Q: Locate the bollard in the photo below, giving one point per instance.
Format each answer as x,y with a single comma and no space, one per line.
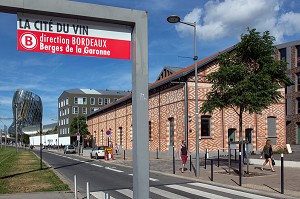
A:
229,160
156,152
106,196
75,188
124,154
87,190
205,157
282,175
190,162
173,161
212,169
240,167
218,157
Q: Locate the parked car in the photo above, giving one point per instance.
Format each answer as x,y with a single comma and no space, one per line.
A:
69,149
98,152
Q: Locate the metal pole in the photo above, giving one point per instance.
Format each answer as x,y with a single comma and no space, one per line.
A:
5,140
41,144
87,190
124,154
75,187
173,161
186,121
218,157
247,156
1,137
282,175
234,154
205,157
190,162
16,125
240,167
196,102
156,152
229,157
211,169
78,133
106,196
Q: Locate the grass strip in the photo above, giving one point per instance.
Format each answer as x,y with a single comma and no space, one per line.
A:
20,173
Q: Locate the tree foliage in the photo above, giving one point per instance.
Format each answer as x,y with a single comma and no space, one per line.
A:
249,78
83,127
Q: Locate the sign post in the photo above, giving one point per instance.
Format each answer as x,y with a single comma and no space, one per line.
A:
138,22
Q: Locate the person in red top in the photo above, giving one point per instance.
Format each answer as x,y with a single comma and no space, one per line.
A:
184,154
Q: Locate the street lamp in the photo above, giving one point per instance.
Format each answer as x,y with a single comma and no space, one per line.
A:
176,19
16,125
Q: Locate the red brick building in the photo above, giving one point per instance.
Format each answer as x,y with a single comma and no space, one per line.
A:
172,111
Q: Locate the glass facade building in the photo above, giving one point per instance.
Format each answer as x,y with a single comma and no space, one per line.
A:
27,110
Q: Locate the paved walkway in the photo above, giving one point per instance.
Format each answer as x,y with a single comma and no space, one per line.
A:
260,181
265,181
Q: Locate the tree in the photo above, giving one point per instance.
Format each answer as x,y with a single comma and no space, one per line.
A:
249,78
81,125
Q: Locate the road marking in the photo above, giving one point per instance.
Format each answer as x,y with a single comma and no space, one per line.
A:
97,165
76,159
126,192
196,192
166,193
116,170
244,194
100,195
152,179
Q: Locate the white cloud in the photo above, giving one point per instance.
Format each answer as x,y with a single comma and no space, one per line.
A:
288,24
230,18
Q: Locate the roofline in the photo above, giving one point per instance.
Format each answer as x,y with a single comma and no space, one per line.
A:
176,75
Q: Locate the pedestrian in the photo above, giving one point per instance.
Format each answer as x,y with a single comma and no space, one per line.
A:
268,153
117,149
184,154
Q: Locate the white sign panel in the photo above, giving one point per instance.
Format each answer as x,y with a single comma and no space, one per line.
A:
38,33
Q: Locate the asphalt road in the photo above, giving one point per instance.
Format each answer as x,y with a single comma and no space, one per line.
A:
100,175
118,180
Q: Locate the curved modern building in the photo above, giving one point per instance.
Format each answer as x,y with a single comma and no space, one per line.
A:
27,110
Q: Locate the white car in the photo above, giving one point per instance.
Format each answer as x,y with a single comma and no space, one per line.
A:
69,149
98,152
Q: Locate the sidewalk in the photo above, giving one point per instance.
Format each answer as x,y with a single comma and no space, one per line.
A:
265,181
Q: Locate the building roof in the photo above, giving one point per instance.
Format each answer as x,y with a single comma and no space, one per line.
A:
178,74
97,92
166,71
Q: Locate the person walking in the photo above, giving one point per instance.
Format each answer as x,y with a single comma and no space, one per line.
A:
184,154
268,153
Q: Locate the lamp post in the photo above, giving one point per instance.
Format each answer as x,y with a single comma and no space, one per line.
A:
5,129
78,133
186,117
16,125
176,19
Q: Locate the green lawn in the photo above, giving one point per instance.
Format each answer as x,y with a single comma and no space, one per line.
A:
20,172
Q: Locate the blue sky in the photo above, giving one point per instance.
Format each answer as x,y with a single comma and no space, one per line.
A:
219,25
